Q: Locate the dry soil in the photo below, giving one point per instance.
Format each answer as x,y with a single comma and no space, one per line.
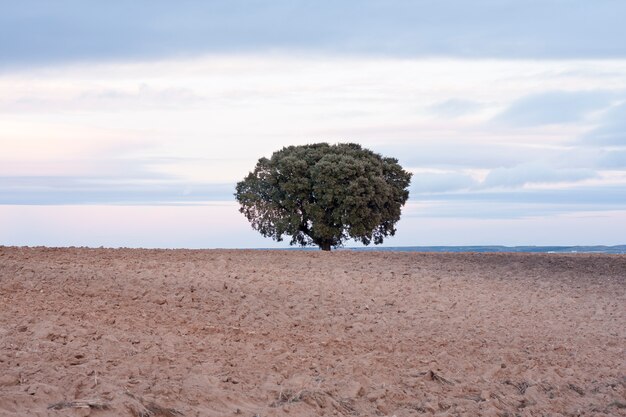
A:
105,332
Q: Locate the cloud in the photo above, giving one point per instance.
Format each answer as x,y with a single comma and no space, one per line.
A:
613,160
428,182
40,31
490,208
455,107
105,190
612,132
456,154
554,107
533,173
517,204
141,96
583,197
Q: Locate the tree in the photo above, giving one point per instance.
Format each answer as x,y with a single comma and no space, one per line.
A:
324,194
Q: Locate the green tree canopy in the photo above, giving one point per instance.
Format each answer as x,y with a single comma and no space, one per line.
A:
324,194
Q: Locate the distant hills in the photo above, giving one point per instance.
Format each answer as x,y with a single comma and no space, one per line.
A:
619,249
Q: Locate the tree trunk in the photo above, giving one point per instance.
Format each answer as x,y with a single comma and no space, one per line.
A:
325,246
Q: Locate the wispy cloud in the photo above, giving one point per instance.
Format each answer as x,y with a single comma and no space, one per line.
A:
438,182
534,173
554,107
613,160
455,107
457,154
106,190
612,131
520,203
36,31
139,97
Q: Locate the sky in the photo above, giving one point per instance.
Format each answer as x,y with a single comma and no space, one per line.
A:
127,124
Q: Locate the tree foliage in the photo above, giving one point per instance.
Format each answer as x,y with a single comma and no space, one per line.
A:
324,194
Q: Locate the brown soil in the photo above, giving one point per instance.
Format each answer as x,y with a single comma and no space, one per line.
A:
275,333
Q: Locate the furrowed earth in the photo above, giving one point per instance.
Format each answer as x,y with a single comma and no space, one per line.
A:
130,332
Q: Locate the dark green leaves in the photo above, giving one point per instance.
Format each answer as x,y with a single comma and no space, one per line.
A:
324,194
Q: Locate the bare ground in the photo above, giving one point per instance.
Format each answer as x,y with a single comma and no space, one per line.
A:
290,333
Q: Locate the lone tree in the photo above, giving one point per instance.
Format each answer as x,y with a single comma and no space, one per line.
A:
324,194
